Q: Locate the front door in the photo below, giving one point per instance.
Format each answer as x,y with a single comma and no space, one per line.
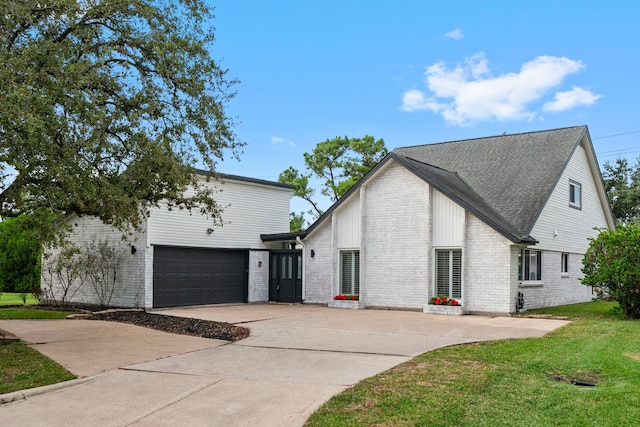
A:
285,284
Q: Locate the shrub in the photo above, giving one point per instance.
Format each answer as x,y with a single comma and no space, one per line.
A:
62,276
612,263
19,256
101,260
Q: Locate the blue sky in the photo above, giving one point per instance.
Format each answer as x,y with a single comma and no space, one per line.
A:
416,72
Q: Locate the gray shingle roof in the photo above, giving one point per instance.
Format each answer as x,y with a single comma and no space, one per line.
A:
504,180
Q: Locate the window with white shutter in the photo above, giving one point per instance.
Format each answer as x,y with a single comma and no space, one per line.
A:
350,272
449,273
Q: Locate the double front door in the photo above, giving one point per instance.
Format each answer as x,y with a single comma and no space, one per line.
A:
285,283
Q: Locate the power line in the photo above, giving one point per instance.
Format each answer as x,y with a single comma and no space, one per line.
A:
618,134
622,151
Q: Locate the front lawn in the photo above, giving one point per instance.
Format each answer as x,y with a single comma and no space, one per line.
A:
13,298
519,382
22,367
31,313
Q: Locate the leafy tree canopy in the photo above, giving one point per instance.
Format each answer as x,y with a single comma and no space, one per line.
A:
622,182
612,263
296,222
106,106
338,163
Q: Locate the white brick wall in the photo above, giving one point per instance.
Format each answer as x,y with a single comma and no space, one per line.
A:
258,276
129,288
556,289
148,275
318,275
395,241
396,255
486,255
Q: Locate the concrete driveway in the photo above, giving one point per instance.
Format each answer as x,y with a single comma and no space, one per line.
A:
296,358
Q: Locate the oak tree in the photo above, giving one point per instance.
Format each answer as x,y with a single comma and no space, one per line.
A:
107,107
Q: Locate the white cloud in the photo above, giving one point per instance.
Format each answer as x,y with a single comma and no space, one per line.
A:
573,98
469,93
278,141
455,34
415,100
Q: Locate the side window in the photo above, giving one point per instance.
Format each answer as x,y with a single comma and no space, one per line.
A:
530,265
575,194
564,263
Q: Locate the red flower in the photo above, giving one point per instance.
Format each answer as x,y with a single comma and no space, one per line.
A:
346,297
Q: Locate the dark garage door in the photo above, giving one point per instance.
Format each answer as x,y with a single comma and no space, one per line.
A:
196,276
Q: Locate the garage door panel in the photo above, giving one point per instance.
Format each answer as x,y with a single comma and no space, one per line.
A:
193,276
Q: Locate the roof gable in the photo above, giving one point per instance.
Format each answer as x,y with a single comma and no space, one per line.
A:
512,174
503,180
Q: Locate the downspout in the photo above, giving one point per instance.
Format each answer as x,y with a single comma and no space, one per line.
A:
299,241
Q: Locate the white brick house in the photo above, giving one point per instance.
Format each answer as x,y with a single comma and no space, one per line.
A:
178,258
485,221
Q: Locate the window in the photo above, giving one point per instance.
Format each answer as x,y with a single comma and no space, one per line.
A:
575,194
530,265
350,272
564,263
449,273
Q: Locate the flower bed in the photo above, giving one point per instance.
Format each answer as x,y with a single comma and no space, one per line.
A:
442,300
346,297
444,305
351,302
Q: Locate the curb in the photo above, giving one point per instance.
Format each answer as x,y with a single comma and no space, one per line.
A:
7,337
30,392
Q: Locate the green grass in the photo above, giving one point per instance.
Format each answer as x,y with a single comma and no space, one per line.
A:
519,382
587,310
22,367
13,298
31,313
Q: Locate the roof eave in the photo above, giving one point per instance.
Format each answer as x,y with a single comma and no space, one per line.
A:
283,237
476,212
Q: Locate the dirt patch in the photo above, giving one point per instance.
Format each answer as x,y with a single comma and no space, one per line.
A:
577,378
172,324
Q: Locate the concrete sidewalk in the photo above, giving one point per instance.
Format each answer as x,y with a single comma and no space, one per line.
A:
296,358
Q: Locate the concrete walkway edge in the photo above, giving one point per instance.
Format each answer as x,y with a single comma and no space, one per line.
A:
30,392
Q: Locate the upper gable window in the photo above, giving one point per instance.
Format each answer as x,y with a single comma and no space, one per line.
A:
575,194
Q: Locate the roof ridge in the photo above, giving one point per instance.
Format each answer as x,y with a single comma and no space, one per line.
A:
427,164
491,136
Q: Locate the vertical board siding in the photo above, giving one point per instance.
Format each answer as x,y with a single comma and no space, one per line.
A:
348,223
572,226
250,209
448,221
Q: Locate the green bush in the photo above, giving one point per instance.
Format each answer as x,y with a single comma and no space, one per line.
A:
612,263
19,257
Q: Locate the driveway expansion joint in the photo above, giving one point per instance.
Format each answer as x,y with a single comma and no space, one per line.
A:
318,350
